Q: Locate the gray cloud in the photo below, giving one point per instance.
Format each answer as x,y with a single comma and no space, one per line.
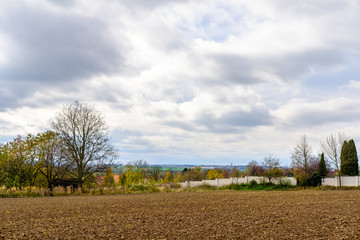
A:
180,124
312,114
150,4
55,48
130,141
3,123
310,117
235,69
63,3
238,69
257,116
310,9
290,67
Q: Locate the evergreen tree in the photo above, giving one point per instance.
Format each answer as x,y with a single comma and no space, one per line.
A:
109,178
354,158
344,164
349,159
322,166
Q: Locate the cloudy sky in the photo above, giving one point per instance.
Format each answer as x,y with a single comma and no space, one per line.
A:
185,81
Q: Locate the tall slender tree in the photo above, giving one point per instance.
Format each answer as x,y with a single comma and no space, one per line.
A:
349,160
322,166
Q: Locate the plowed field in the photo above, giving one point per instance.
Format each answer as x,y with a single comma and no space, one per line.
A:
185,215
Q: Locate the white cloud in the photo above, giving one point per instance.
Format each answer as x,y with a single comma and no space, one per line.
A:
183,79
353,85
300,113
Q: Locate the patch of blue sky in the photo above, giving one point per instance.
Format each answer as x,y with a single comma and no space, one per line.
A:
333,79
213,27
4,140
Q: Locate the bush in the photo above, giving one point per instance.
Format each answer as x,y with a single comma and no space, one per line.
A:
308,180
253,182
254,186
314,180
235,186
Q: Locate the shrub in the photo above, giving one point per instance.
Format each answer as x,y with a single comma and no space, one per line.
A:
253,183
314,180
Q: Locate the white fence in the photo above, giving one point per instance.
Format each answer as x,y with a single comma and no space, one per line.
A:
348,181
227,181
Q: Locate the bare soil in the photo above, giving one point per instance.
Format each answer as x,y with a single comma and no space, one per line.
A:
185,215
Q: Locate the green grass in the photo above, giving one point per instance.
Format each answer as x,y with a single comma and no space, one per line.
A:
257,187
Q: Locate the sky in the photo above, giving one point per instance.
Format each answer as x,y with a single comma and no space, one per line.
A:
185,81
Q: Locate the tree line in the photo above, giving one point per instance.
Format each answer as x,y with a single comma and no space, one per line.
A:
339,151
338,158
139,172
76,147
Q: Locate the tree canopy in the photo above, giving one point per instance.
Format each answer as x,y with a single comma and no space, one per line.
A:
349,160
85,138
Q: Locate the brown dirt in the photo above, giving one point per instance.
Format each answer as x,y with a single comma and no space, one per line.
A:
185,215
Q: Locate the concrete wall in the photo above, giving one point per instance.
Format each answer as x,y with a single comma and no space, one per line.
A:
349,181
346,181
330,182
227,181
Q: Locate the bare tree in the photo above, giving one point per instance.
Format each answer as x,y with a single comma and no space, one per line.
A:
332,149
139,163
302,154
271,167
85,137
271,161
